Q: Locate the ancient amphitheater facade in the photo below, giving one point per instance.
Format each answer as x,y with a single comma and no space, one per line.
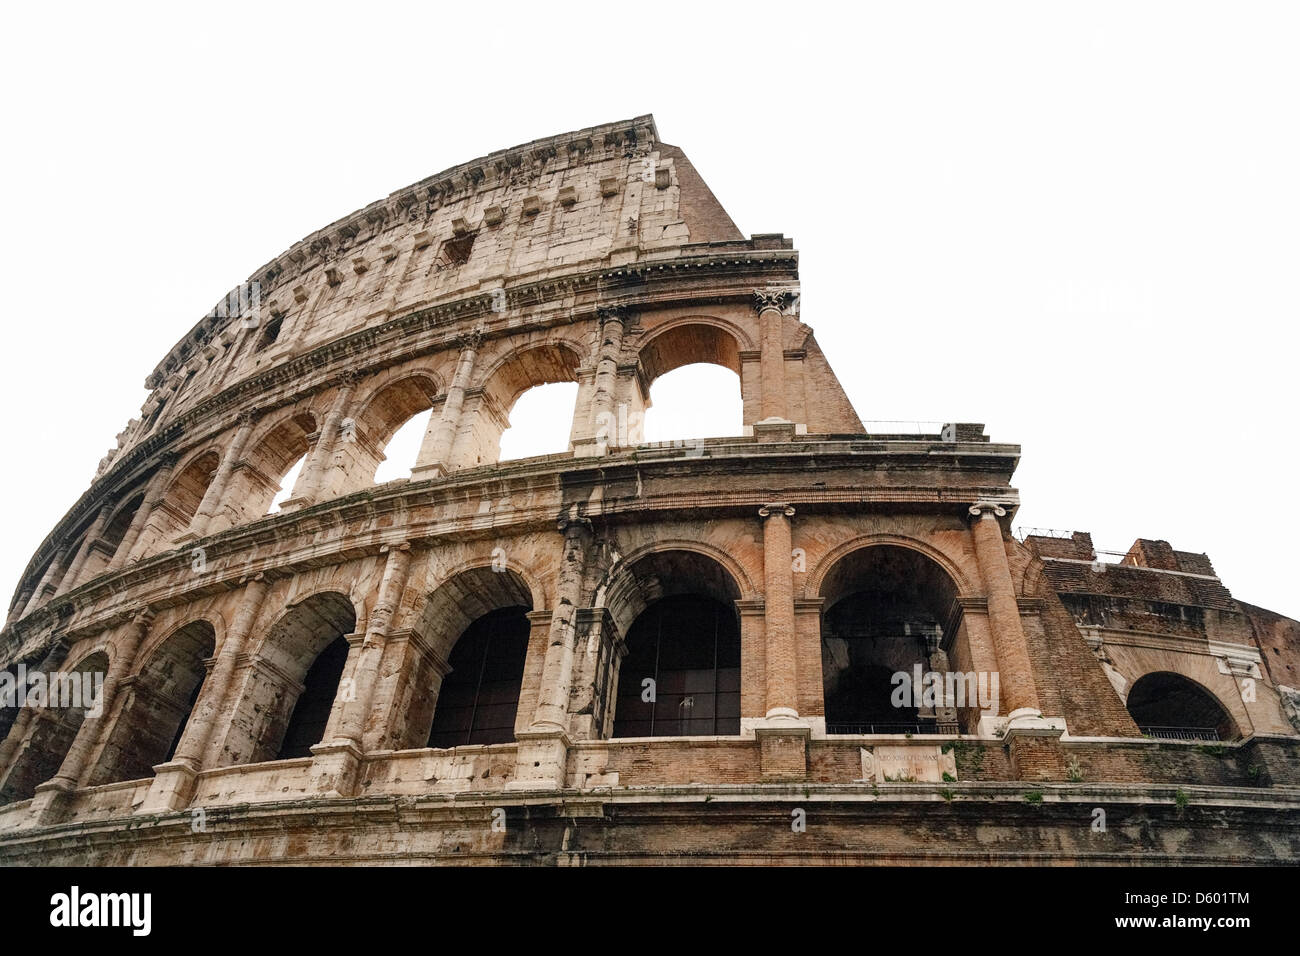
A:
624,652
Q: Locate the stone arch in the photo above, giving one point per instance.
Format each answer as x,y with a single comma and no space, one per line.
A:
53,729
175,510
390,403
689,340
284,701
966,586
675,608
613,591
890,606
158,700
1171,706
467,681
270,453
502,384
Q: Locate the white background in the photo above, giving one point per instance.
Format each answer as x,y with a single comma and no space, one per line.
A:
1076,223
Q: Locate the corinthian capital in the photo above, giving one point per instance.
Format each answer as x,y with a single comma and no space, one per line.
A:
777,299
471,339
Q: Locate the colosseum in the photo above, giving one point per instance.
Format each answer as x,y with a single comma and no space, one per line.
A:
857,658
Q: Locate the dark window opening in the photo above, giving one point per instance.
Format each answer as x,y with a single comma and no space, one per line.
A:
180,728
868,638
312,711
689,646
270,332
1168,706
455,252
480,697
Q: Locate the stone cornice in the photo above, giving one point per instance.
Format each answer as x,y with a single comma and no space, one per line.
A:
327,533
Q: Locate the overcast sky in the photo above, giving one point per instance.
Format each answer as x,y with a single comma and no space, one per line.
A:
1079,224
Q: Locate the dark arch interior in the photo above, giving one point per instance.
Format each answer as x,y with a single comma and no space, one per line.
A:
479,698
312,711
689,646
886,607
308,645
157,706
1173,707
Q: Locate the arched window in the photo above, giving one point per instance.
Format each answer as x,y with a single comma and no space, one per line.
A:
54,727
681,673
884,617
688,647
695,401
403,448
540,421
1168,706
312,711
288,708
157,705
479,698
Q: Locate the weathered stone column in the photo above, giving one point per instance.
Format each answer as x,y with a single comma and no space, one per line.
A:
153,493
770,305
173,782
50,801
335,764
604,411
543,747
322,452
435,451
1012,648
49,582
212,497
778,612
96,529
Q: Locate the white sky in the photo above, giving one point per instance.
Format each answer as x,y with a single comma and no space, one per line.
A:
1077,223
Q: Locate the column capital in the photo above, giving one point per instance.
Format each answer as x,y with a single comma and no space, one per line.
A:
569,525
981,508
168,458
613,313
779,508
470,340
777,299
248,416
349,378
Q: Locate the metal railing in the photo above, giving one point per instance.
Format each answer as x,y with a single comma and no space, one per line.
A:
883,729
1180,733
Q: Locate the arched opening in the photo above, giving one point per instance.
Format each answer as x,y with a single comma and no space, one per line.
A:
403,448
119,524
382,441
694,401
261,478
1168,706
469,677
544,422
304,657
884,625
70,697
312,711
158,703
693,373
179,505
540,422
286,485
681,674
479,698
